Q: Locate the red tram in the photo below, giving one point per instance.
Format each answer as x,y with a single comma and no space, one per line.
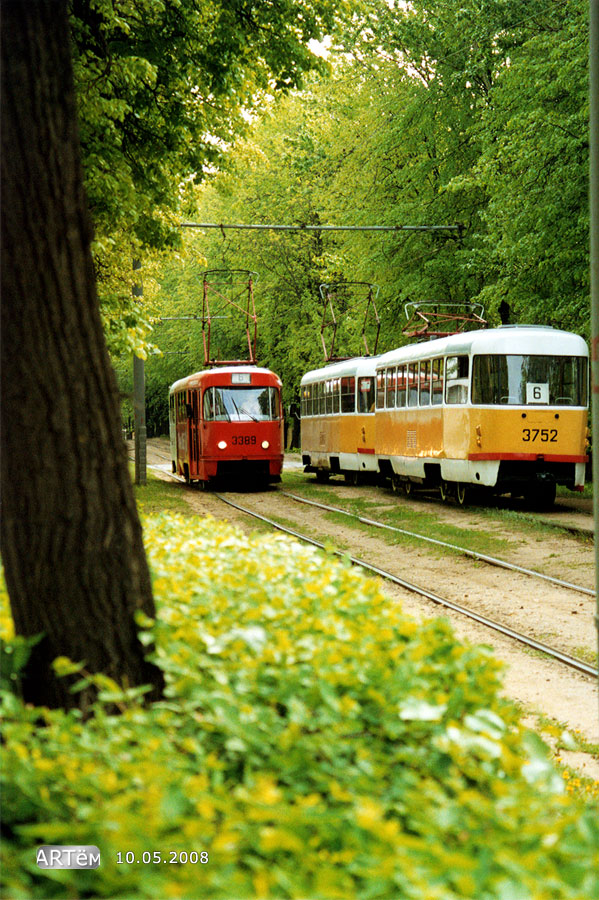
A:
227,423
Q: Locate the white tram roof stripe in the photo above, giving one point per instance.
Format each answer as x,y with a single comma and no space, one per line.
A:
532,340
218,370
359,366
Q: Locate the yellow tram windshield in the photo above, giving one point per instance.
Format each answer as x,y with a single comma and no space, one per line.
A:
529,380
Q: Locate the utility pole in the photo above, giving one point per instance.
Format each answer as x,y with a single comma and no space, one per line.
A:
594,256
139,399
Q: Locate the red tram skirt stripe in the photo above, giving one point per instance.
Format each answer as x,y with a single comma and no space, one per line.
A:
530,457
366,450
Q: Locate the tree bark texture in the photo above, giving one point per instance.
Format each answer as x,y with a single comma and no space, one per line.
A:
72,546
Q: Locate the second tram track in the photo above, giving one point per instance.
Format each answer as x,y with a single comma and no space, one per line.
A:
532,643
481,557
557,655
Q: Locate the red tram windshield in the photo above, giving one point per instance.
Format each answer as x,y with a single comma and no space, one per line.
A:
240,403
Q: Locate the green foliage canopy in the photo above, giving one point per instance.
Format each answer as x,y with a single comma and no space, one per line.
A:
163,86
534,251
473,115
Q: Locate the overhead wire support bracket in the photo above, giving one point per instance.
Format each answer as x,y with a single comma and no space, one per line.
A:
302,227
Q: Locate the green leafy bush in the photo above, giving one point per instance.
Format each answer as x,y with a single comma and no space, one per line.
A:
313,741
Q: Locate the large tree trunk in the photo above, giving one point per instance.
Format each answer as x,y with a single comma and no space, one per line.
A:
71,539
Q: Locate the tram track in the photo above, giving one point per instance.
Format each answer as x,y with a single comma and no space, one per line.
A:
557,655
481,557
505,630
576,529
526,640
464,551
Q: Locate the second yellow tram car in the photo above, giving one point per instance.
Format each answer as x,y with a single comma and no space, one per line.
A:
503,409
337,419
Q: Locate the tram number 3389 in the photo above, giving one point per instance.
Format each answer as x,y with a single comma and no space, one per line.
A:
243,439
546,435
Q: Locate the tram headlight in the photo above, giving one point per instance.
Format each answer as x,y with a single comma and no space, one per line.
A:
265,445
222,445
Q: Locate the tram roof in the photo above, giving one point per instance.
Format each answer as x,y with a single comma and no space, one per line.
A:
195,379
531,340
357,365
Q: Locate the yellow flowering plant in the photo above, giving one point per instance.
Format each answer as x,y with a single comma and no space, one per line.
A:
312,741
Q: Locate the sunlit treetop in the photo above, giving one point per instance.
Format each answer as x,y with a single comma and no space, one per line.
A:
162,85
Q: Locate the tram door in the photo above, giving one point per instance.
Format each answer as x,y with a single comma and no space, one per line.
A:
194,429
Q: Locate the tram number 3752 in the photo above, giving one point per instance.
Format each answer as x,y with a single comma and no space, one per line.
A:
243,439
546,435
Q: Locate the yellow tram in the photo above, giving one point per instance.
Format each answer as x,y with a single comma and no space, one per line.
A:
337,419
503,409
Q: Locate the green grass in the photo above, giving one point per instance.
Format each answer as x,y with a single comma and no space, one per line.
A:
161,496
417,516
530,526
587,494
586,655
409,517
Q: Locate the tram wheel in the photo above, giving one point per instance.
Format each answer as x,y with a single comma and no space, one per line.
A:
408,488
351,477
322,476
396,484
444,491
461,493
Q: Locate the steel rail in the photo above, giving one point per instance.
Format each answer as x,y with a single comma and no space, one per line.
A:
482,557
564,658
492,560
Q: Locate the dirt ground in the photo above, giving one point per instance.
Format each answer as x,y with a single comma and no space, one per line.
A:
553,615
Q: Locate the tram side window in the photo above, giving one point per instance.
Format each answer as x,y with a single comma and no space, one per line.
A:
424,383
321,399
413,384
213,405
401,386
348,394
336,395
390,383
328,387
304,404
171,408
380,389
456,379
366,395
309,389
437,382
